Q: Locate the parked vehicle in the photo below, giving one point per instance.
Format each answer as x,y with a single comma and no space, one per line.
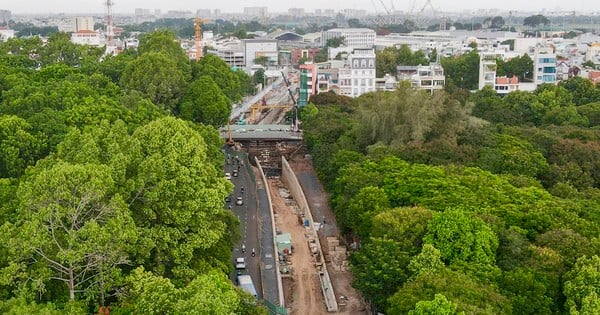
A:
228,176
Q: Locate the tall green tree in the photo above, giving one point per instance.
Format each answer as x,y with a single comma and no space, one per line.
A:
460,237
380,268
582,286
178,197
438,306
204,102
462,71
157,77
219,71
18,147
72,229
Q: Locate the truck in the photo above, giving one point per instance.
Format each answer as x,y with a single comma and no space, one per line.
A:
245,282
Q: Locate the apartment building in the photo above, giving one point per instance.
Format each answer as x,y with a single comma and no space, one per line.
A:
358,77
430,78
544,66
487,69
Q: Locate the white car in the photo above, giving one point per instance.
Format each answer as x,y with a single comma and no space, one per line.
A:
239,201
228,176
240,263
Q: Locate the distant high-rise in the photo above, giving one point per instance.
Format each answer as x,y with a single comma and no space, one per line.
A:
256,11
203,13
5,16
83,23
296,12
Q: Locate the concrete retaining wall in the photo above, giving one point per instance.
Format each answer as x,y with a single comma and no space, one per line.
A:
279,283
291,181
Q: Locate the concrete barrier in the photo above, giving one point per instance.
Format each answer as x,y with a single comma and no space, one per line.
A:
288,177
268,190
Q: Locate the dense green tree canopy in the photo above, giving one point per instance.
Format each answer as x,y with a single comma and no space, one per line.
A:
204,102
96,180
157,77
462,238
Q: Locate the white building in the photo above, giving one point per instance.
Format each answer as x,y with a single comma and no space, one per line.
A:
83,23
358,77
544,66
430,78
6,33
231,51
487,69
255,48
593,53
86,37
387,83
353,37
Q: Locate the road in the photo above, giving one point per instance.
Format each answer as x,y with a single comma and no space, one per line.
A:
248,215
256,227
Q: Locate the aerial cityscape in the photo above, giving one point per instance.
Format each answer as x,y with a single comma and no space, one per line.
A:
323,157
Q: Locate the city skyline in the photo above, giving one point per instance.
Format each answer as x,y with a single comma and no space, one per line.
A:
274,6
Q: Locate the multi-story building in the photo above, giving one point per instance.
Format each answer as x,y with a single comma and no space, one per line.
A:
353,37
358,76
255,48
487,69
83,23
593,53
387,83
86,37
256,11
230,51
430,78
6,33
544,66
296,12
505,85
5,16
308,83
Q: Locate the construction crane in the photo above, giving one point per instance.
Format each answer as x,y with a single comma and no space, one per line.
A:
256,109
198,37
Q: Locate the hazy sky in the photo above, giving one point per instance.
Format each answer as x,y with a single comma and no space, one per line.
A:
127,6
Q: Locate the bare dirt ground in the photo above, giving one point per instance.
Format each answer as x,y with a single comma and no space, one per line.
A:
341,277
305,290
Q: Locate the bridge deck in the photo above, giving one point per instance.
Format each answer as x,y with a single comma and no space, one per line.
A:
261,132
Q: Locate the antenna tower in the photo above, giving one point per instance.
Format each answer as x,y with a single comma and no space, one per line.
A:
110,40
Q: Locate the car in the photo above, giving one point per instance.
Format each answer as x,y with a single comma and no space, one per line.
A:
228,199
234,173
228,176
239,201
240,263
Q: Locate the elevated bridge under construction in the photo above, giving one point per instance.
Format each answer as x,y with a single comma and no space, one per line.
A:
268,143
